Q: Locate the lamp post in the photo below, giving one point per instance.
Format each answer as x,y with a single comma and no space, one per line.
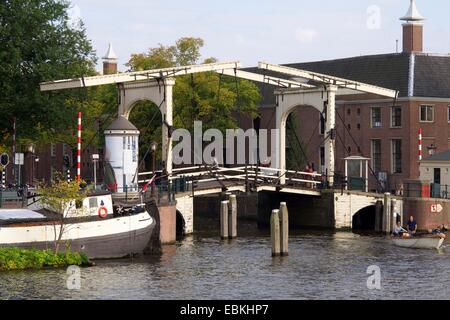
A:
432,149
31,150
153,147
36,161
95,159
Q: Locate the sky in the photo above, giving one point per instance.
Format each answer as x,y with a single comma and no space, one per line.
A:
277,31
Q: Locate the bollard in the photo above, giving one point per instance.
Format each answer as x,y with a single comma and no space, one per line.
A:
232,222
379,216
284,226
224,220
275,232
387,213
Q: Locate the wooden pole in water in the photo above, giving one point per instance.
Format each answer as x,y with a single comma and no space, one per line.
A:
275,232
284,223
224,220
387,213
232,224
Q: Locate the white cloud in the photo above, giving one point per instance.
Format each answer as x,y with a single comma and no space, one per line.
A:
240,39
306,35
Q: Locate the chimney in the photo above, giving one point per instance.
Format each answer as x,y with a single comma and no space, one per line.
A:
110,61
413,30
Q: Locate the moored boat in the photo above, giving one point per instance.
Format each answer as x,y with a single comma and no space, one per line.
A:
101,232
425,242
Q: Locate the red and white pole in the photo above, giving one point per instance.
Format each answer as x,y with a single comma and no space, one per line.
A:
14,148
79,149
420,144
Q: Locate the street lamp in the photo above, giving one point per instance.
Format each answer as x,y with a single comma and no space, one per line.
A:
432,149
95,159
31,150
153,147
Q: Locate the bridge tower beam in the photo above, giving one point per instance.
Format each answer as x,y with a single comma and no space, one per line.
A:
330,127
287,101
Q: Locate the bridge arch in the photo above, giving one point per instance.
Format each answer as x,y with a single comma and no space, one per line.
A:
364,219
321,99
299,137
180,225
160,92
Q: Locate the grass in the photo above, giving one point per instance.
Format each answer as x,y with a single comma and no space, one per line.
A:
32,259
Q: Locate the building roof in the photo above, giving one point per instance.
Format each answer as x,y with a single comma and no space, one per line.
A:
121,123
412,74
413,14
442,156
110,54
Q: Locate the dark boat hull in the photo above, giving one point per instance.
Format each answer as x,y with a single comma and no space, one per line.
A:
103,247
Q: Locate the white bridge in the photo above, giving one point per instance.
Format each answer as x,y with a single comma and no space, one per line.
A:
295,88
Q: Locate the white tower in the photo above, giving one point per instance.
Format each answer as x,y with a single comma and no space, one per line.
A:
122,154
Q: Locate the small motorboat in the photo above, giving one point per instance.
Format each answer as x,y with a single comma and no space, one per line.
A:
421,242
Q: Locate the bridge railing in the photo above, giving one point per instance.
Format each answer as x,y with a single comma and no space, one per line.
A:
185,179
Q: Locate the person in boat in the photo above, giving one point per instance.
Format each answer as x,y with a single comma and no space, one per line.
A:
399,231
412,226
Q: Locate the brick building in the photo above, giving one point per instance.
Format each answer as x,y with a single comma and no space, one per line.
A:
381,129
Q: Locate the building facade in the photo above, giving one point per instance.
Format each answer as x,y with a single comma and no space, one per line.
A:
384,130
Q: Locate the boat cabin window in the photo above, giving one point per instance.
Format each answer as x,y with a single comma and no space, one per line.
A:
93,202
78,204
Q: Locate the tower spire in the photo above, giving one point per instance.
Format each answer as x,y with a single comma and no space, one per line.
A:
412,29
413,14
110,61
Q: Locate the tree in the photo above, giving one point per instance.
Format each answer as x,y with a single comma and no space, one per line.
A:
295,154
208,97
38,43
62,197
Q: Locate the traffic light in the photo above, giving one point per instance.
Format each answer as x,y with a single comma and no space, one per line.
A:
66,161
4,159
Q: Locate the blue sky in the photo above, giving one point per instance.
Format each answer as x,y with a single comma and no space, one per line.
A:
280,31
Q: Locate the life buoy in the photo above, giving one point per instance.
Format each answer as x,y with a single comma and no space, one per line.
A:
103,212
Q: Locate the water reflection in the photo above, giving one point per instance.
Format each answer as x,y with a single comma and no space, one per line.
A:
320,265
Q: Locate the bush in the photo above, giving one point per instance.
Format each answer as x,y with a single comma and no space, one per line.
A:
23,259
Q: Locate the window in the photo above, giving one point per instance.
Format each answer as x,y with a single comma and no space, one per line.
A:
427,113
396,117
93,203
322,160
376,117
53,150
376,155
359,111
322,124
396,156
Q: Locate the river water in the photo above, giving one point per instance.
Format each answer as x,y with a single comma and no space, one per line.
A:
321,265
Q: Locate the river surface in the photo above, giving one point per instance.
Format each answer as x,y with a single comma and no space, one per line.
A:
321,265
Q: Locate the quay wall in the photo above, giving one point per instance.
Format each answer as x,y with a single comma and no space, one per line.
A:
207,209
304,211
426,212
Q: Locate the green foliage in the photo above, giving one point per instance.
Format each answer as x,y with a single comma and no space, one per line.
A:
60,196
147,117
23,259
38,44
295,157
208,97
